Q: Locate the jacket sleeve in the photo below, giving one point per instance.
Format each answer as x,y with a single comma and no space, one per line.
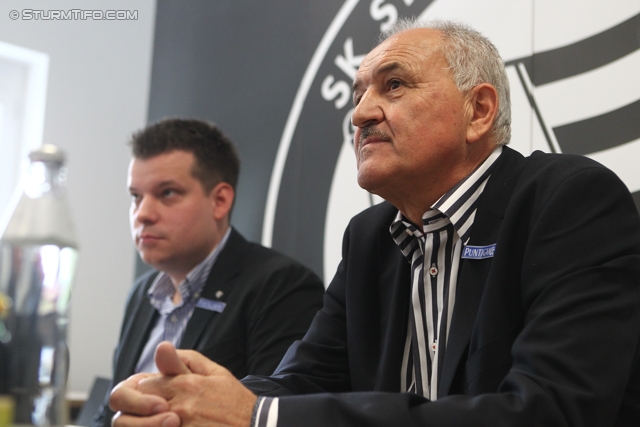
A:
281,312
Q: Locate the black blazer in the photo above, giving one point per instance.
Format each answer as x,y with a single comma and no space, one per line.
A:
270,302
545,333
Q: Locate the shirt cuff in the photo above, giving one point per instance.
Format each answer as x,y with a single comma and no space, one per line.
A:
265,412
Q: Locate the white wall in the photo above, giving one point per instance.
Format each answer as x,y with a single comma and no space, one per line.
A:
97,95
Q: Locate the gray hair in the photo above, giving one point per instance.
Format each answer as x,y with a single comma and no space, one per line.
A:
473,60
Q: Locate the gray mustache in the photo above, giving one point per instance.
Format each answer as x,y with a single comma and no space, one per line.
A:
368,131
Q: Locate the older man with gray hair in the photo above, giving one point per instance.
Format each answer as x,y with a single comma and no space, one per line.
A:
489,290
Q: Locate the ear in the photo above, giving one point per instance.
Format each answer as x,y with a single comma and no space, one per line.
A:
483,102
221,196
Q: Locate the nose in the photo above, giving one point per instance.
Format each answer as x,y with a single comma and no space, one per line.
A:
368,111
144,211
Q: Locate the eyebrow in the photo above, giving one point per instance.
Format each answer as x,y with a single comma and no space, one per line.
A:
161,184
383,69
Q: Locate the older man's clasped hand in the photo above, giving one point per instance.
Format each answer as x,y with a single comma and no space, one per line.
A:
180,394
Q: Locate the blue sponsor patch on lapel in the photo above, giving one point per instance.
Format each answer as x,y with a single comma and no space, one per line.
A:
211,305
478,252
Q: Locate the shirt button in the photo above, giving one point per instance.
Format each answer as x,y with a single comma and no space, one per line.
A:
174,318
434,345
433,271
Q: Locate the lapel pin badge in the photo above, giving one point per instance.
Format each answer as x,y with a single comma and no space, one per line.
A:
478,252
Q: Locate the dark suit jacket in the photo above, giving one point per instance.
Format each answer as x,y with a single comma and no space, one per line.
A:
270,302
545,333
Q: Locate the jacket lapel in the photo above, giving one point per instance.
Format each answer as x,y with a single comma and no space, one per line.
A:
395,297
217,288
394,322
473,272
135,338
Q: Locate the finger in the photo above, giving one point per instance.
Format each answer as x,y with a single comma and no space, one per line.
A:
127,397
199,364
166,419
167,360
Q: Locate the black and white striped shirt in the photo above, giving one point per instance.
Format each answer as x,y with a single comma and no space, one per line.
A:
446,227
